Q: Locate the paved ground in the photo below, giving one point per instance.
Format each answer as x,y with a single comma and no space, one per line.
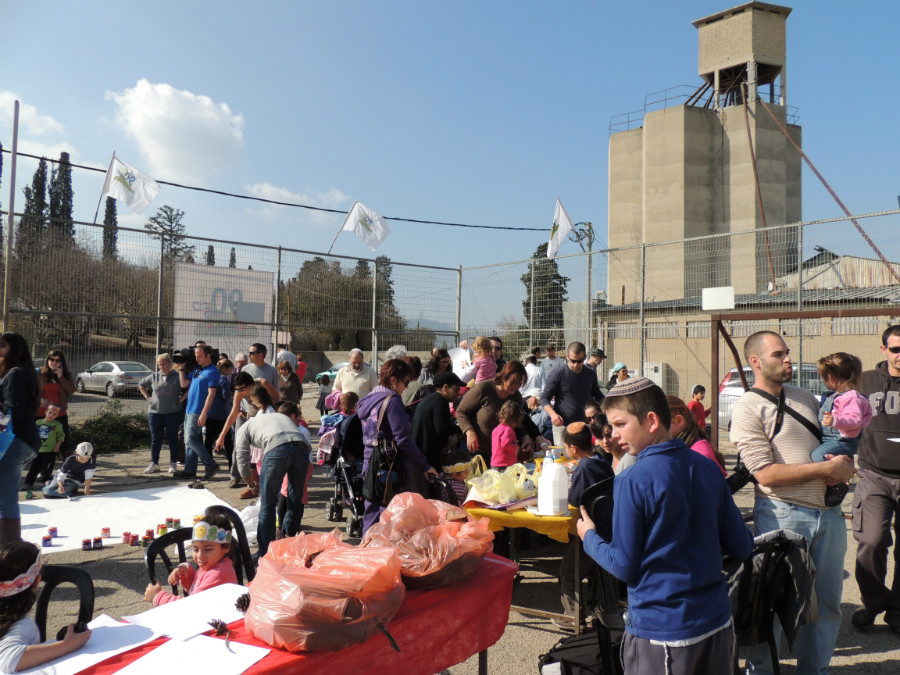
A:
120,578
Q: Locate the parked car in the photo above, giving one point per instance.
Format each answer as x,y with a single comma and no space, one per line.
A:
730,388
332,372
114,378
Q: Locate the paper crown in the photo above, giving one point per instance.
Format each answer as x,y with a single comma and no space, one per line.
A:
22,582
203,531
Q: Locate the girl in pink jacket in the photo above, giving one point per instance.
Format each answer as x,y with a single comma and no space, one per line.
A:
211,551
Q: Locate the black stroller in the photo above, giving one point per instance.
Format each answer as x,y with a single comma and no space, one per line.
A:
346,473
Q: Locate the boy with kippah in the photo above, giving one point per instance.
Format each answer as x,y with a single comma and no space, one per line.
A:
673,515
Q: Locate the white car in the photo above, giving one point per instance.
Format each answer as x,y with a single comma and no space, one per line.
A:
114,378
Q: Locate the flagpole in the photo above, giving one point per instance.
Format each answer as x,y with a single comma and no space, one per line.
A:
12,209
97,210
340,229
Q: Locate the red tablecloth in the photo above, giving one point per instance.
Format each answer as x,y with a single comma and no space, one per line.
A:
433,629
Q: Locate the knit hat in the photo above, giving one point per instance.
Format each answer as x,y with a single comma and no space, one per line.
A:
84,449
631,386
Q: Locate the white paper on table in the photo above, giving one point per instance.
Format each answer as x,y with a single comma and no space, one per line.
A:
108,638
460,359
190,616
199,654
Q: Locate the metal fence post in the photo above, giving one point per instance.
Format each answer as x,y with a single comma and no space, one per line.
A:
590,304
458,303
12,208
276,319
375,315
800,293
531,309
159,296
643,296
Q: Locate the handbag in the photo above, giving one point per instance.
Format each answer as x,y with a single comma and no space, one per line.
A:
382,475
6,432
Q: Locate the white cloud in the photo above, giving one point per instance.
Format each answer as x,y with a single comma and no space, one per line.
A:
182,136
30,120
330,199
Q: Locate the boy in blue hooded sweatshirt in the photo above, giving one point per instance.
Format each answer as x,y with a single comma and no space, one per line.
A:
673,516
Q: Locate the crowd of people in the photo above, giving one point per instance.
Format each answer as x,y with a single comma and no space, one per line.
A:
673,512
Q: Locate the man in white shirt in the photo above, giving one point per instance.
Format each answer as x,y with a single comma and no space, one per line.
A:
550,362
535,376
356,377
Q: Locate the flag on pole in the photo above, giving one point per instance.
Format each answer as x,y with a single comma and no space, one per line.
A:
129,185
560,230
367,225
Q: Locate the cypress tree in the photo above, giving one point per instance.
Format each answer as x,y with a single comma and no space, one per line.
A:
232,260
110,230
61,199
211,256
33,224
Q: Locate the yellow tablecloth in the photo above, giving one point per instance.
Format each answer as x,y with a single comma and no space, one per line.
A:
555,527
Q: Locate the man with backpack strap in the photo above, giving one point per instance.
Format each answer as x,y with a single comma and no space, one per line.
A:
775,427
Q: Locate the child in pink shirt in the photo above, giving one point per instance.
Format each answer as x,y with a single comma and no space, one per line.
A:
504,447
483,366
844,413
211,551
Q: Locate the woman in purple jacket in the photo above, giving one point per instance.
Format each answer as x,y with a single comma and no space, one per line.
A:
413,470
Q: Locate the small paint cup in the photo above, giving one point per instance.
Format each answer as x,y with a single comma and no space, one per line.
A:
126,537
46,541
104,532
52,532
98,542
85,544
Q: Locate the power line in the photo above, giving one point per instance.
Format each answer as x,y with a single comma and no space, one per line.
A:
291,204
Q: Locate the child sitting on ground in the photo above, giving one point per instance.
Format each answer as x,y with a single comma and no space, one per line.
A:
591,469
504,447
844,413
673,515
77,471
211,551
52,436
456,465
20,640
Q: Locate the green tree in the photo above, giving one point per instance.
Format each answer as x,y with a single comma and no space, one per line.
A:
211,256
61,199
232,259
33,223
110,230
549,293
362,270
168,225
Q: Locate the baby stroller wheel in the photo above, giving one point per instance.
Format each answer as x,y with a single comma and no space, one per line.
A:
335,510
355,527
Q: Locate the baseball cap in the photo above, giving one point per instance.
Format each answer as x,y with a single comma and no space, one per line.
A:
598,352
84,449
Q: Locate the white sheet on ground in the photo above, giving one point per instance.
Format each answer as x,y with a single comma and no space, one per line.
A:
199,654
131,511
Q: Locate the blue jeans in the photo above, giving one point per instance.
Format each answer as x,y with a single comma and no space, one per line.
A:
18,454
168,423
835,446
291,460
70,487
193,445
826,533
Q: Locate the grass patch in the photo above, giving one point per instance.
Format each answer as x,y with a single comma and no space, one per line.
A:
111,430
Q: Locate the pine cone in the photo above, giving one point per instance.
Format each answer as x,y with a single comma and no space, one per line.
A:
243,603
219,626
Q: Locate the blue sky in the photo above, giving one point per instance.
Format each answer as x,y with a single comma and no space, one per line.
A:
464,111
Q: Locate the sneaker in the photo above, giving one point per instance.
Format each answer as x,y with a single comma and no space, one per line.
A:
172,468
153,468
249,493
185,474
235,483
210,472
863,618
834,494
195,485
29,494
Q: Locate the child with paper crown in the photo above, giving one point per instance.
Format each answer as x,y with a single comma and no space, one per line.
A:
211,551
20,640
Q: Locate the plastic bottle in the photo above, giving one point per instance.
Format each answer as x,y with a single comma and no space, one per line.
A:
553,492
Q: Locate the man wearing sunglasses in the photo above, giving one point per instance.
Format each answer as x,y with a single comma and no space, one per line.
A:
566,390
876,498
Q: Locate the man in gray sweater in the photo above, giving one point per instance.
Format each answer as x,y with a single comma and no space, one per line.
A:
285,453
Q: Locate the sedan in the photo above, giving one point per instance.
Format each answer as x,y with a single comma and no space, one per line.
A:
114,378
331,372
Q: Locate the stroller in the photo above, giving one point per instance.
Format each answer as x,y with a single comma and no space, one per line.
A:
346,473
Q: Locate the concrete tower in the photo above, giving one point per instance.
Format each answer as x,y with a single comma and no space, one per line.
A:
688,170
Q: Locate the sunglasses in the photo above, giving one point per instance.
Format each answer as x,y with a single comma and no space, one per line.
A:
240,389
252,353
893,350
576,360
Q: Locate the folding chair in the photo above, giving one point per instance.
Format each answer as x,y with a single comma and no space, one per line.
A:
54,575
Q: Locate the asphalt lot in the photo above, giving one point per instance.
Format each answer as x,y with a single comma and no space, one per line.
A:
120,577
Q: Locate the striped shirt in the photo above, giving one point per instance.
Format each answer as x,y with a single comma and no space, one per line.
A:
753,423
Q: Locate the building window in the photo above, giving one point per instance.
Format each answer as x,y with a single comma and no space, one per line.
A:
811,327
748,328
624,331
698,329
660,329
856,325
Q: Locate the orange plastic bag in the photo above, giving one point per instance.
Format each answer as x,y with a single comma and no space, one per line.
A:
314,592
438,544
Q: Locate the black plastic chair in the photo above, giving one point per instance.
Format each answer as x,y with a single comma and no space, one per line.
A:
243,564
54,575
158,548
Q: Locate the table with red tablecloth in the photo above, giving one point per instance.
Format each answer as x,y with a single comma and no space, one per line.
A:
434,630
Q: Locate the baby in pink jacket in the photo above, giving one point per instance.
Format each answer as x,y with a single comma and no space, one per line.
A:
211,551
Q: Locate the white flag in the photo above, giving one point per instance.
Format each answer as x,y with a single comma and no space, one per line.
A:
367,225
129,185
560,230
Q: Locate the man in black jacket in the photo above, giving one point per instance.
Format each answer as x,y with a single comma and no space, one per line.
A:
876,501
432,424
